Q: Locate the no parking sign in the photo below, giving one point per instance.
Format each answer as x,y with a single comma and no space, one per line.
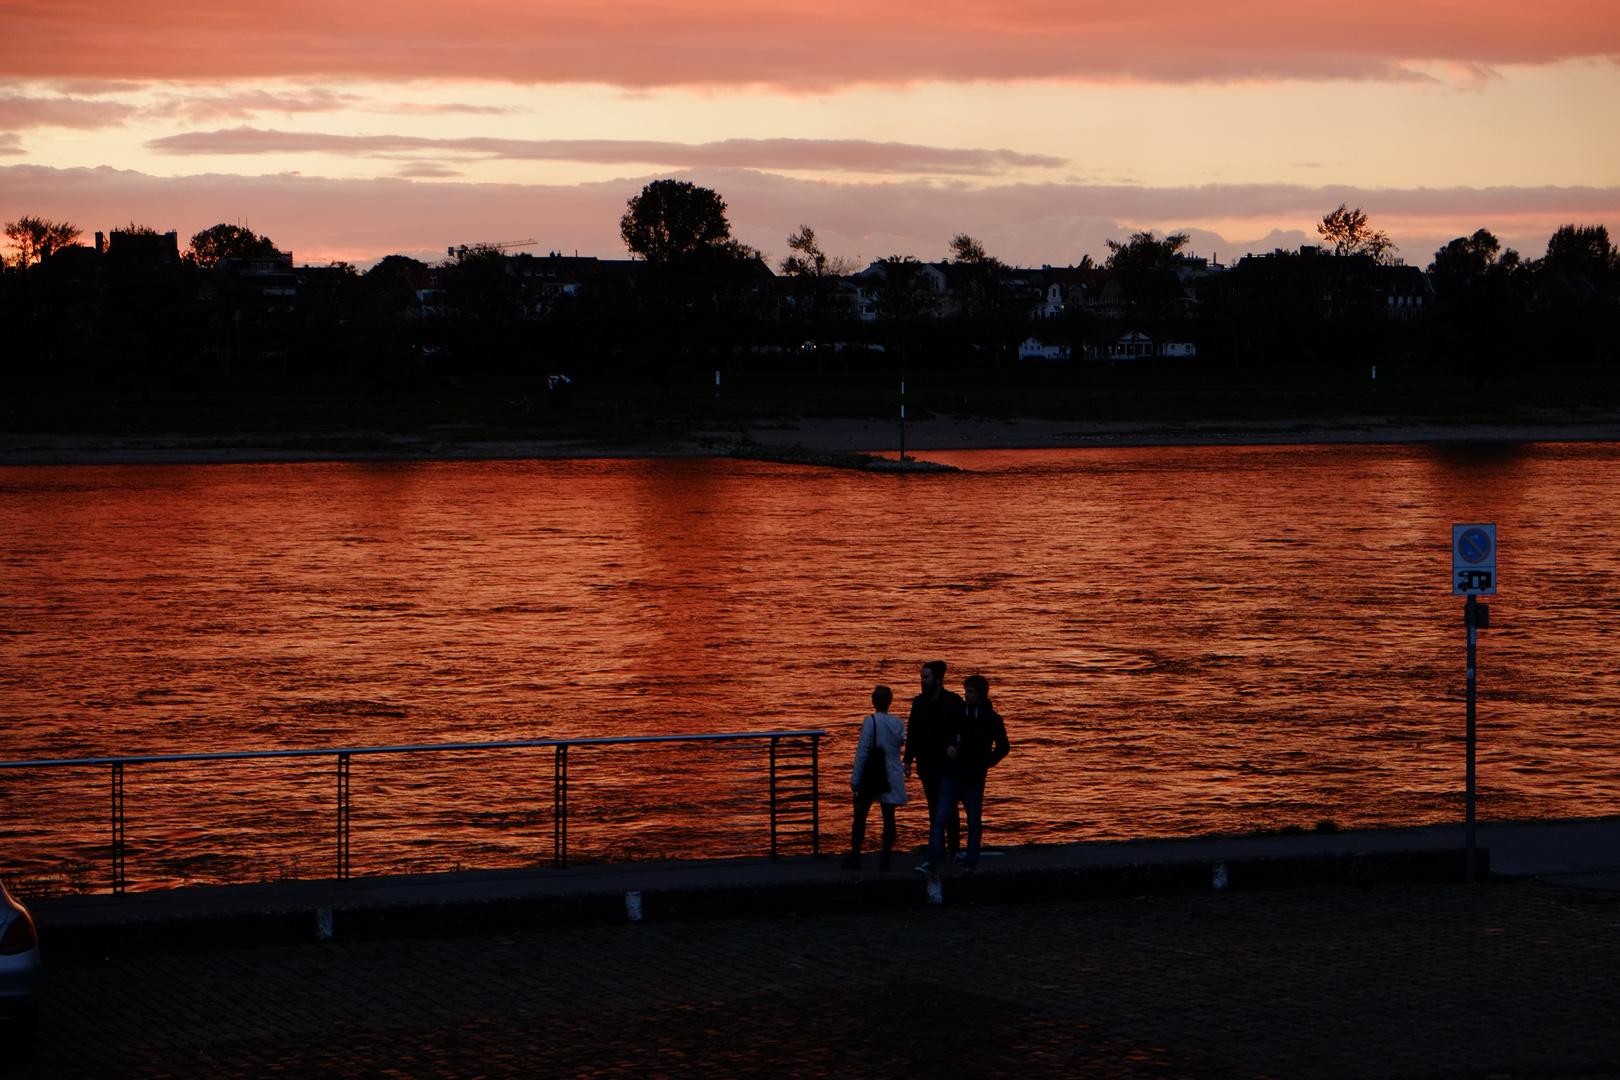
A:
1473,560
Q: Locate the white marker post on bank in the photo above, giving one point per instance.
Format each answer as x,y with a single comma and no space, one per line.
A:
1473,574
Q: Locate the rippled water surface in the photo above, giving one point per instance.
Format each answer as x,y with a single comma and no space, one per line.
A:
1182,640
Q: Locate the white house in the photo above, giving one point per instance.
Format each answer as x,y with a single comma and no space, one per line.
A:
1135,345
1131,345
1036,349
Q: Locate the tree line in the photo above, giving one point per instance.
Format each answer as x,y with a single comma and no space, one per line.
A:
140,312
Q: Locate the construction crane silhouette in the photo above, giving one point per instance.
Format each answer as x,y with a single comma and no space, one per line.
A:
501,246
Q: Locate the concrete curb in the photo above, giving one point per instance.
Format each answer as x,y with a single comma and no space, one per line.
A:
900,890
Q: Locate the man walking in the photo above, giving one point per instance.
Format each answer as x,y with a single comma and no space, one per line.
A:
930,727
977,744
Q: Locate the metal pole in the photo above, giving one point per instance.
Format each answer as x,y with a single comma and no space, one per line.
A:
343,817
773,796
815,796
1471,620
559,809
902,419
118,829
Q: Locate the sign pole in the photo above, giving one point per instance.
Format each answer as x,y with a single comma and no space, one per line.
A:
1471,620
1473,574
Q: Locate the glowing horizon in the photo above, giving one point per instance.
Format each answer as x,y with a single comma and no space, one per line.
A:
1044,128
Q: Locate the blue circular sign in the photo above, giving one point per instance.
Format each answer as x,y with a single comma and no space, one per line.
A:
1474,546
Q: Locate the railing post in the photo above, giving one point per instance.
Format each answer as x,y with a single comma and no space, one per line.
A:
815,796
118,880
559,808
773,796
783,807
343,817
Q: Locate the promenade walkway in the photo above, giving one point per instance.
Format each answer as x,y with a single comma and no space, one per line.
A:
1576,853
1385,978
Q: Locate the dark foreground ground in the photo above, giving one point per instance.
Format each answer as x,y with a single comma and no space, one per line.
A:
1497,980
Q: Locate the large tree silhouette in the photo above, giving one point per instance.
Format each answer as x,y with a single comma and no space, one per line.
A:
227,242
1144,252
1350,234
1582,249
673,219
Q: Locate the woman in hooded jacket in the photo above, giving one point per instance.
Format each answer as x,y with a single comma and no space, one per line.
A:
882,734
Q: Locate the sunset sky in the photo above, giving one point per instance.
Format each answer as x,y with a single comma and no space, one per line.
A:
355,128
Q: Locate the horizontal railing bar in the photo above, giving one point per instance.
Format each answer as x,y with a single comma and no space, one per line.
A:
514,744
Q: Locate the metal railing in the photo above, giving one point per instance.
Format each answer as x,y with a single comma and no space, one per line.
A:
794,784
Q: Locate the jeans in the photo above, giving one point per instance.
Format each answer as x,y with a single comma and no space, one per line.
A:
972,800
953,828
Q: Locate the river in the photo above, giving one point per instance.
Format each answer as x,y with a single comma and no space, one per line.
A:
1183,640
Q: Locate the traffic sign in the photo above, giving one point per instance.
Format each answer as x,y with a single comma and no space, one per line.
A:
1473,560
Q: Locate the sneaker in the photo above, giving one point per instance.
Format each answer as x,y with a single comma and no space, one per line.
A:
925,868
960,856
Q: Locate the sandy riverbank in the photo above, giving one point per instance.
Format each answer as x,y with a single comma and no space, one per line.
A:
944,433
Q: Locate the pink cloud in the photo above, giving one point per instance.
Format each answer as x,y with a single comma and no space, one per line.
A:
23,111
427,170
322,219
246,103
437,108
98,87
240,104
850,155
808,43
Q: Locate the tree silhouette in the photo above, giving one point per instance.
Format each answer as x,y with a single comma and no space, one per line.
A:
1468,260
1144,252
965,249
1478,291
672,219
978,277
1143,266
904,293
36,239
808,260
1582,249
1347,230
227,242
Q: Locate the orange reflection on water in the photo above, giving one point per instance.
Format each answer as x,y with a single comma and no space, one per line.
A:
1183,640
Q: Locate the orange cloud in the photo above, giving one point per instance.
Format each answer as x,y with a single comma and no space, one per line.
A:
806,43
847,155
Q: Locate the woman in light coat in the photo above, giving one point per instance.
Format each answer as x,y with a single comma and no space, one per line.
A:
888,733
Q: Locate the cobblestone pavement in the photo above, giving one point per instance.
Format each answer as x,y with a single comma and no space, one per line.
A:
1509,980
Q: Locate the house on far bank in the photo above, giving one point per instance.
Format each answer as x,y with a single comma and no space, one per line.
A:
265,283
1406,290
142,249
1135,345
1036,349
928,292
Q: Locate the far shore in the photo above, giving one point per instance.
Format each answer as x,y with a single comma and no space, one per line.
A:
943,434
